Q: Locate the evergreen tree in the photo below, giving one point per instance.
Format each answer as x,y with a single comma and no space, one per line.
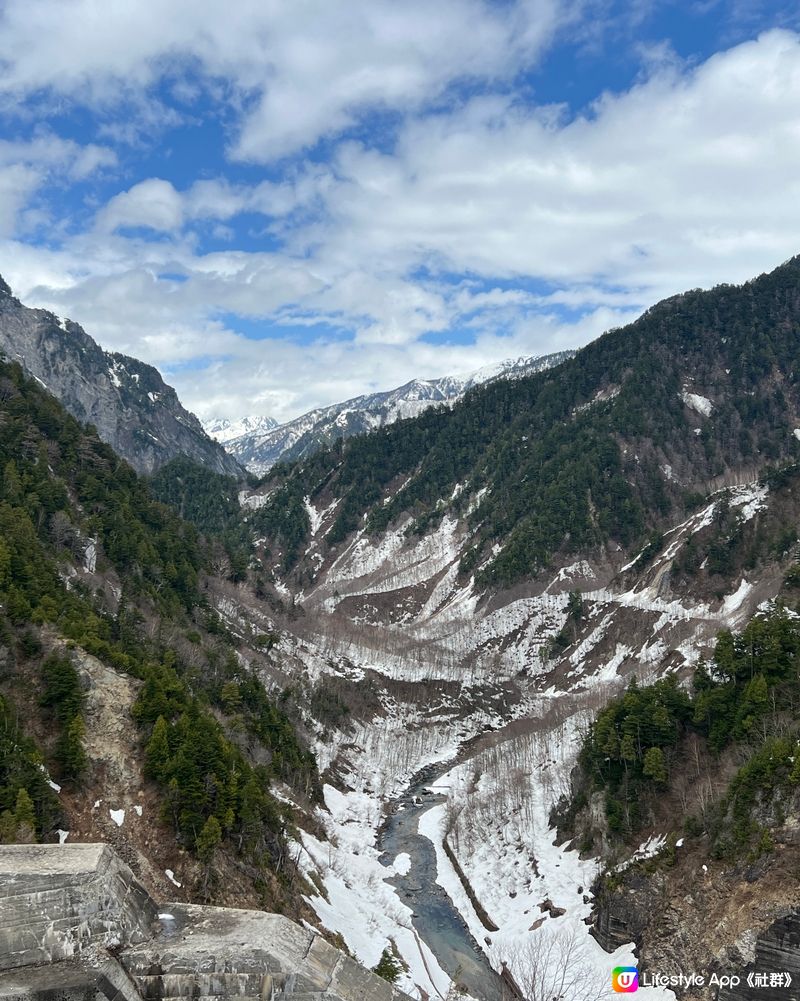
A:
388,967
654,766
208,840
70,752
157,754
24,819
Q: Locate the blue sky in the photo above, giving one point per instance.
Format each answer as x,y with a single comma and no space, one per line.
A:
283,204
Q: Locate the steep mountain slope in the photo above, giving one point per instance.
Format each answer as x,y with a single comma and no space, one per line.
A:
491,574
128,402
589,457
264,443
447,602
128,712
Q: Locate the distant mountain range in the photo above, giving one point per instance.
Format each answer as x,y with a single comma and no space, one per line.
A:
224,431
259,442
128,402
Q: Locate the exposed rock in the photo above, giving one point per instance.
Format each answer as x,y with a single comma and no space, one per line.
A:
76,924
777,951
128,402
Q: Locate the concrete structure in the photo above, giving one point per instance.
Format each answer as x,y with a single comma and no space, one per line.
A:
76,925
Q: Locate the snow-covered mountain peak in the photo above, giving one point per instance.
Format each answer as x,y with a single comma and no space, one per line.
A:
223,430
258,443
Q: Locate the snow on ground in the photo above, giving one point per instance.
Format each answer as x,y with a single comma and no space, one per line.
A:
53,785
499,800
700,404
358,903
646,850
315,517
734,601
751,498
505,846
402,864
118,816
171,877
252,501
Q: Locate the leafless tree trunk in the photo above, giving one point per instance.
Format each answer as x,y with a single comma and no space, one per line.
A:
551,966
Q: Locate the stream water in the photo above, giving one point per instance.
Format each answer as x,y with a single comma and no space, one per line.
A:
436,919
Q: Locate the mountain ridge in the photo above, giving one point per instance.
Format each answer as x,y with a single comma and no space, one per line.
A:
259,447
128,402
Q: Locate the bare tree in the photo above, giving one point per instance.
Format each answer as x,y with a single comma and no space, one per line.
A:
554,966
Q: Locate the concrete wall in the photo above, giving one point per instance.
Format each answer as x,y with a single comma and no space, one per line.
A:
62,907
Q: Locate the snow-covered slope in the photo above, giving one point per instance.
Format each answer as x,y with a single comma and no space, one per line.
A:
224,431
469,685
259,442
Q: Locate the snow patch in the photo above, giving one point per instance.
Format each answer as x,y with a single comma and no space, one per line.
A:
402,864
171,877
252,501
700,404
90,556
62,836
118,816
53,785
735,601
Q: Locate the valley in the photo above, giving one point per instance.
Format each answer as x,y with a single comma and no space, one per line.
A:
365,690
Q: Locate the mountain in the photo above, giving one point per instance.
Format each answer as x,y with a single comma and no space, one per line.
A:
119,684
466,591
127,401
224,431
259,442
589,457
542,644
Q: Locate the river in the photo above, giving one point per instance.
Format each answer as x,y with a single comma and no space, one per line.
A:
436,919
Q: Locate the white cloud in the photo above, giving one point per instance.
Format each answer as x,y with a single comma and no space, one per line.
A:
153,204
303,70
686,179
26,166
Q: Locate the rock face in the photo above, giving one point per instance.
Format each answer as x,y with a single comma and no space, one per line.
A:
777,952
75,924
128,402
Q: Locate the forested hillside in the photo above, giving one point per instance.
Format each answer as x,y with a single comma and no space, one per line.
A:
92,565
607,447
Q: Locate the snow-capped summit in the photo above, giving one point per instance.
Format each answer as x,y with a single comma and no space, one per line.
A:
223,430
258,442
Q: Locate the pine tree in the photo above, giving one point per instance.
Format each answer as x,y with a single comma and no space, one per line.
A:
157,754
388,967
208,840
24,819
8,828
655,767
69,750
206,845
